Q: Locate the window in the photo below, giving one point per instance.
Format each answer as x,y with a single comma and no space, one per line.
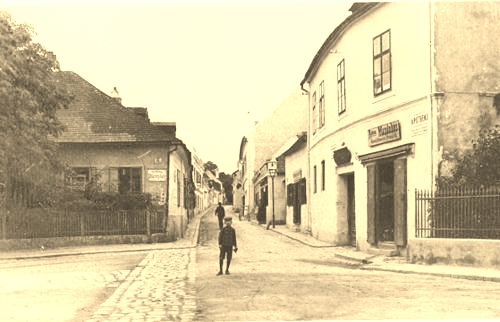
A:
129,180
323,177
382,70
341,86
315,182
322,104
178,180
314,113
78,178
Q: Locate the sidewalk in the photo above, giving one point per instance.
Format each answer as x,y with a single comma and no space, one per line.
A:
368,261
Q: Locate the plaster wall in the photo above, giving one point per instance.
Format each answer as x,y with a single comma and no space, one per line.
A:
408,98
466,69
464,252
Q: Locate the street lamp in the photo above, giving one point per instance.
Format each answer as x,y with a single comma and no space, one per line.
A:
272,167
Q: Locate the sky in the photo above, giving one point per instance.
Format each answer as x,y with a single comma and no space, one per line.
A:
212,67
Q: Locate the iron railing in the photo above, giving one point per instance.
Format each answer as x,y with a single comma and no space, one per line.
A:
467,212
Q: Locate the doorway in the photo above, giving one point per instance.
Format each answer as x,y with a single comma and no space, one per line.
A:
387,201
385,196
351,210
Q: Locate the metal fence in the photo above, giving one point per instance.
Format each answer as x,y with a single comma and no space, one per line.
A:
44,224
467,212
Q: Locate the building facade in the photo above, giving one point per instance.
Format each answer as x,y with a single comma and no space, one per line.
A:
122,152
388,99
259,146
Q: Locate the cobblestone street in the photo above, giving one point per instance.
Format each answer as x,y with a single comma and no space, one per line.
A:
160,288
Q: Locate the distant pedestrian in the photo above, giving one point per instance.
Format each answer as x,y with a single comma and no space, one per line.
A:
227,240
220,213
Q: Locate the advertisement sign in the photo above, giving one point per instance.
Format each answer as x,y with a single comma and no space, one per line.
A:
384,133
157,175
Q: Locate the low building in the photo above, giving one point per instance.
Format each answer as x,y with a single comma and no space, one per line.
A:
122,152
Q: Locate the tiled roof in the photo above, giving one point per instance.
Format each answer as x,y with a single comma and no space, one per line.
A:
94,117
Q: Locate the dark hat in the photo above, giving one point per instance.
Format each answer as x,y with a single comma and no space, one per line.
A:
228,218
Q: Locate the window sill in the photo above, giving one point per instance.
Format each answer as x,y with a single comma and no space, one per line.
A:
384,96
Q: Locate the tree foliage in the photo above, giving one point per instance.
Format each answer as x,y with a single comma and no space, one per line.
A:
480,165
227,183
30,98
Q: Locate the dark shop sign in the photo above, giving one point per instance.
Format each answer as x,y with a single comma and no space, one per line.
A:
384,133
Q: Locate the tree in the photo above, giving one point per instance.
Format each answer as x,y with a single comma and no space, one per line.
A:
30,98
227,183
478,166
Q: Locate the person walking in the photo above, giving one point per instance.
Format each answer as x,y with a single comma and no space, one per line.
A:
227,240
220,213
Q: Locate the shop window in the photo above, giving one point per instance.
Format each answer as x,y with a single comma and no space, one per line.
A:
382,66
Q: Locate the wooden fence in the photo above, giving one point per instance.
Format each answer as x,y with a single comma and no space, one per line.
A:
45,224
467,212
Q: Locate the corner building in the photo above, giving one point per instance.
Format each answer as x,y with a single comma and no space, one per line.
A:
394,88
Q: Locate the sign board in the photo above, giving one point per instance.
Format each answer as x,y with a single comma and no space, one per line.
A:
157,175
384,133
419,123
297,175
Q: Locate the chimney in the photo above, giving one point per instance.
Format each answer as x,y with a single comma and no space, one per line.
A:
115,95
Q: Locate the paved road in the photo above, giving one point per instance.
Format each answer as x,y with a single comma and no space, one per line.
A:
276,278
272,278
61,288
160,288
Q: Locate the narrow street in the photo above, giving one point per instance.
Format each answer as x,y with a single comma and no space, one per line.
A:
276,278
273,277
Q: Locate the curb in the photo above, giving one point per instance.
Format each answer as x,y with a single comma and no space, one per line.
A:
364,264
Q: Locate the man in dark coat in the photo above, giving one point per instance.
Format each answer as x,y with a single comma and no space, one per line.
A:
227,240
220,213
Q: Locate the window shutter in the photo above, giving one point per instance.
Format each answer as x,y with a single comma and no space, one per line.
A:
289,195
302,191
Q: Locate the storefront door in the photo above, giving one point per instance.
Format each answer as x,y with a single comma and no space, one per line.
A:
387,201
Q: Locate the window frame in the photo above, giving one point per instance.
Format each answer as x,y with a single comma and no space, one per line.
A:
323,175
321,120
314,113
341,91
380,54
315,179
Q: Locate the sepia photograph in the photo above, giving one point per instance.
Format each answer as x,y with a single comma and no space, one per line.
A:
281,160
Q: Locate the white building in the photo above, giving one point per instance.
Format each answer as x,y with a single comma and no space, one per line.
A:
394,87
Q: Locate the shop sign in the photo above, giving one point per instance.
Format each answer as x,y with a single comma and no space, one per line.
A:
297,175
342,156
157,175
419,124
384,133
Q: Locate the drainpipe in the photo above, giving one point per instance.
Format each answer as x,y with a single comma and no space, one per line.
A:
309,216
432,96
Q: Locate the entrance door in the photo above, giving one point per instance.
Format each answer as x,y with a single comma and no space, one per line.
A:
387,201
385,196
351,213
